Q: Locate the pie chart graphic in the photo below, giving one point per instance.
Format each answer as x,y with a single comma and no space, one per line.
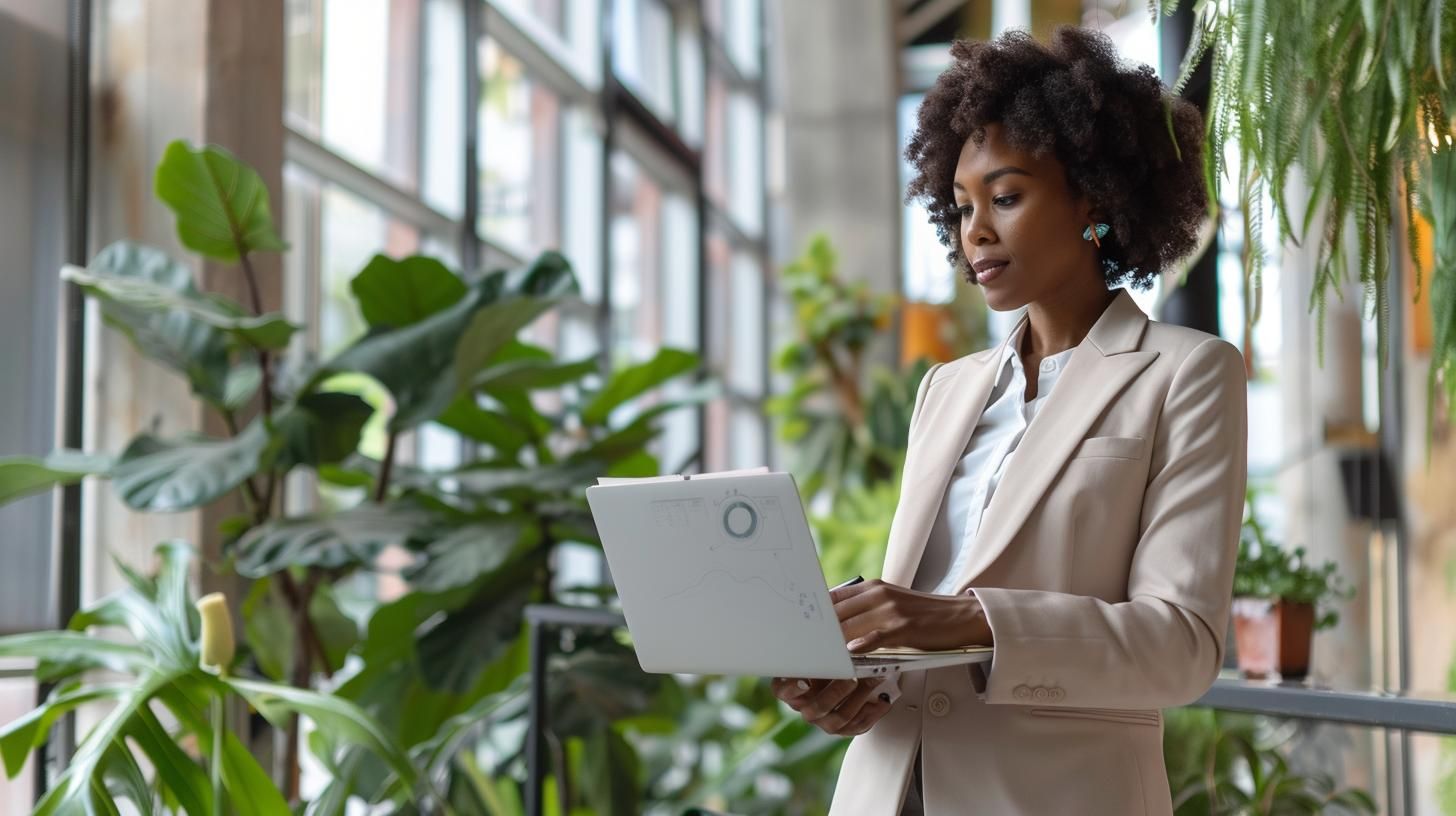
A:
750,523
740,520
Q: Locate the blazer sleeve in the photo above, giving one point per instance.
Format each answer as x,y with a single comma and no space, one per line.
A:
1162,647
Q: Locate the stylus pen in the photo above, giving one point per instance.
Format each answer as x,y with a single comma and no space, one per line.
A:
858,579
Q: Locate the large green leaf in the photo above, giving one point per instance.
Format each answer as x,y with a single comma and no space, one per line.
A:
351,537
499,430
341,719
599,683
221,203
180,775
633,381
611,773
75,651
469,552
427,364
172,336
24,475
320,428
171,475
531,375
400,293
453,652
142,297
72,792
21,736
250,790
488,478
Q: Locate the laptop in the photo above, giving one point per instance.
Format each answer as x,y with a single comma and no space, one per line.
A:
717,573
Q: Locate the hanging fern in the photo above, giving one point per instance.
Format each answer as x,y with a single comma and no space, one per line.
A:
1354,93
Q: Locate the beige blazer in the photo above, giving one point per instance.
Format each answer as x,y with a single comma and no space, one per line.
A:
1105,565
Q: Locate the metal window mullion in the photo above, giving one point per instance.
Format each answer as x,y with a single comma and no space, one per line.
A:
68,512
470,250
764,271
329,166
700,199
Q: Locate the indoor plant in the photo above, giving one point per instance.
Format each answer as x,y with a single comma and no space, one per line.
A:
1355,97
1280,601
440,665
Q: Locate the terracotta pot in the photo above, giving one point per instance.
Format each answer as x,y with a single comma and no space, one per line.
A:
1273,637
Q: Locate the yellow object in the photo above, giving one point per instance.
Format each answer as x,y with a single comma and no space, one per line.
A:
922,332
218,644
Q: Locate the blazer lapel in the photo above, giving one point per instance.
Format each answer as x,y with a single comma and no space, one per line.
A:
949,417
1102,365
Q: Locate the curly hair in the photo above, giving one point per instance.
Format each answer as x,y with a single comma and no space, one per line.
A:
1106,121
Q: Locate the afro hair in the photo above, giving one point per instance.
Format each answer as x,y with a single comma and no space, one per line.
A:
1129,146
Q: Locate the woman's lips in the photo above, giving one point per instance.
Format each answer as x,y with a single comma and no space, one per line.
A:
991,273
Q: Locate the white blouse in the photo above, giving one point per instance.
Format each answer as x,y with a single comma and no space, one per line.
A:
995,438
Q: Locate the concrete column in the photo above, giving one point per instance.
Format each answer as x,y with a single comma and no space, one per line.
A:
840,70
165,70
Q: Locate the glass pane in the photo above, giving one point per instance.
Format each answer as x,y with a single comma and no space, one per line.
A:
442,157
715,147
642,53
353,231
745,163
520,162
690,90
17,698
33,93
570,29
737,24
581,229
928,277
746,437
746,351
655,289
1433,775
636,224
351,81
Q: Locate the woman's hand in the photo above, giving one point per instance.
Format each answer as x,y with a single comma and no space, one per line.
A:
875,614
845,708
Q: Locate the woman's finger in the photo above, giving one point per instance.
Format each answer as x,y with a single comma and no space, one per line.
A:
872,712
790,688
824,700
849,708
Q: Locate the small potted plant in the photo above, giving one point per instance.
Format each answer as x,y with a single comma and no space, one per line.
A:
1280,601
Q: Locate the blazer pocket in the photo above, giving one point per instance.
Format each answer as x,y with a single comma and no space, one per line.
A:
1110,447
1119,715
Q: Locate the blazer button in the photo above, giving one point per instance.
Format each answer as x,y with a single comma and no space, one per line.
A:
1040,694
939,704
1021,693
1058,695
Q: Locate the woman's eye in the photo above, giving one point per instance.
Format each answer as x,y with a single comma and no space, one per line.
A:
964,210
1004,201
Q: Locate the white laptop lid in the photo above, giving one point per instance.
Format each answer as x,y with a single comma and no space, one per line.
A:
720,576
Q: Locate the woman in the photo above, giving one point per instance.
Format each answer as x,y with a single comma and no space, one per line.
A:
1073,496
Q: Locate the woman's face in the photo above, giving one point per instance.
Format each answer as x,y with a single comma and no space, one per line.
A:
1021,225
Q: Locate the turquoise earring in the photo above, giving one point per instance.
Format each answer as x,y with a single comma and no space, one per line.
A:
1094,232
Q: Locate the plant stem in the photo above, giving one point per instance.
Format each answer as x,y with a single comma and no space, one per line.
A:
381,488
219,722
263,361
300,596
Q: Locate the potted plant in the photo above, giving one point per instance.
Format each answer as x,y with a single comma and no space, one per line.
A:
1279,603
